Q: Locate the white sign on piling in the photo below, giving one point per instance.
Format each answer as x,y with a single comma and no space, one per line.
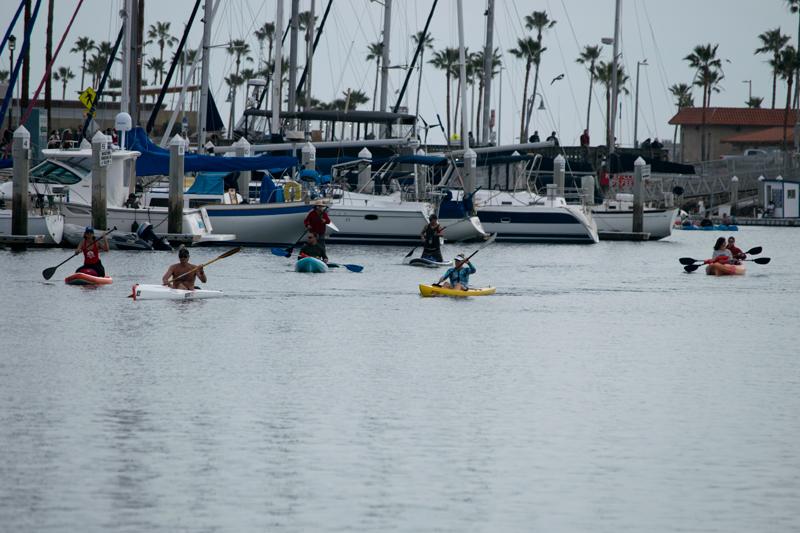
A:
105,154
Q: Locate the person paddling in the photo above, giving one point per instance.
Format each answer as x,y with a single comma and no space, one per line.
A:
91,253
312,249
316,222
736,252
721,253
179,269
431,236
458,276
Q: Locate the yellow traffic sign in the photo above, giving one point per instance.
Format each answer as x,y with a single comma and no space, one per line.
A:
87,97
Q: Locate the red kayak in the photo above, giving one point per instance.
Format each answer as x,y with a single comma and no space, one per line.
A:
82,278
723,269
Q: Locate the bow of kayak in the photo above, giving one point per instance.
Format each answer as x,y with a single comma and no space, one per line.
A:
162,292
82,278
432,290
310,264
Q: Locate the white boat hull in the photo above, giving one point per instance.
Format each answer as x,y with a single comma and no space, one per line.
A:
368,219
160,292
657,222
260,224
463,229
51,226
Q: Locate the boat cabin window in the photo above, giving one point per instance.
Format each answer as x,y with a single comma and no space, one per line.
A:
49,172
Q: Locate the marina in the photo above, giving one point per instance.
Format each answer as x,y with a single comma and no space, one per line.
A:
582,330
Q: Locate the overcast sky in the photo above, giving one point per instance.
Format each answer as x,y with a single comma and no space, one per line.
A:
661,31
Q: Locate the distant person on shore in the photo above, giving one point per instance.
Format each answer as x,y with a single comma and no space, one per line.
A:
430,235
553,139
534,138
735,251
183,266
91,253
458,276
585,138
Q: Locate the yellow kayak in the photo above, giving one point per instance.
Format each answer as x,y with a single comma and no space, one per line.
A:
431,290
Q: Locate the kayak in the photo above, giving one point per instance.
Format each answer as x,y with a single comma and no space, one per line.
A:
427,263
162,292
720,269
310,264
432,290
718,227
82,278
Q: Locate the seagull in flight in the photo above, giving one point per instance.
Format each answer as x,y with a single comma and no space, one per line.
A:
559,77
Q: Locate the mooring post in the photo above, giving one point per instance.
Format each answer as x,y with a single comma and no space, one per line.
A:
365,169
587,185
308,155
243,150
177,150
638,204
101,159
734,195
559,166
21,153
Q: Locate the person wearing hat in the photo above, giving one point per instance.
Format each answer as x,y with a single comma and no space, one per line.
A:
431,236
179,269
91,253
458,276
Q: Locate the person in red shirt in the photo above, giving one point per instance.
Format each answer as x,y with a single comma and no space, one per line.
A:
91,253
316,222
585,138
736,252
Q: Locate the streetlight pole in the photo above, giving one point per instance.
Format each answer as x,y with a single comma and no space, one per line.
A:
12,44
749,89
636,106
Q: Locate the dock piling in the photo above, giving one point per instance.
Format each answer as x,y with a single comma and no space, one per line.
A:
177,150
734,195
559,166
243,150
21,153
101,159
640,169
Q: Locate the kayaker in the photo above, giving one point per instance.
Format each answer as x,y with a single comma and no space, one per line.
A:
430,235
312,249
182,267
316,222
458,276
736,252
721,253
91,252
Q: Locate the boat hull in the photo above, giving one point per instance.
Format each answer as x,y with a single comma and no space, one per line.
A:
538,224
260,224
161,292
720,269
310,265
463,229
657,222
431,290
51,226
376,223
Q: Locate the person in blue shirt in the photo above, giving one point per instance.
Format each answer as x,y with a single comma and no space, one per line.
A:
458,276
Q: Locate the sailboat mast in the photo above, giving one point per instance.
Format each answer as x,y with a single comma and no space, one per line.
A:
614,81
202,112
125,93
488,60
469,155
294,24
277,81
387,32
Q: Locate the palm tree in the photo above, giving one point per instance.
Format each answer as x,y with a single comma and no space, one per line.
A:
304,20
705,61
529,51
476,61
233,81
159,33
239,49
539,21
83,46
63,74
604,74
157,66
588,57
788,66
794,7
114,83
427,43
95,66
683,95
754,102
266,31
375,51
772,42
446,60
357,98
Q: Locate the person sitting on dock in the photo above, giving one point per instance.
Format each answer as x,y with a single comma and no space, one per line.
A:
91,253
721,253
431,236
316,222
179,269
735,251
312,249
458,276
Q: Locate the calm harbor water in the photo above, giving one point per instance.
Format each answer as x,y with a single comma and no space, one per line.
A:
601,389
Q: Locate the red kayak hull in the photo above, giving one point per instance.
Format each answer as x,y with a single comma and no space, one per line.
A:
81,278
719,269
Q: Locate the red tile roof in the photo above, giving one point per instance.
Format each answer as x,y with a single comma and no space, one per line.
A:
732,116
772,136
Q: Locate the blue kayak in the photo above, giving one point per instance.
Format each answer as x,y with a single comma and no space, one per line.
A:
310,264
718,227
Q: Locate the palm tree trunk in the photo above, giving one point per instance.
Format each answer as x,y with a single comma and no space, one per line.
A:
774,85
522,136
703,126
63,90
480,107
377,75
608,117
591,84
535,87
458,101
83,70
447,102
789,82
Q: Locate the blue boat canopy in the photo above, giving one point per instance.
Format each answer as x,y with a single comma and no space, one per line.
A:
155,160
208,183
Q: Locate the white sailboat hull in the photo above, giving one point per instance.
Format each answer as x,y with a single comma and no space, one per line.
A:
51,226
260,224
657,222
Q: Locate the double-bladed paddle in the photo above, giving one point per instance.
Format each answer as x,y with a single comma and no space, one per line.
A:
350,267
47,273
757,260
287,252
688,260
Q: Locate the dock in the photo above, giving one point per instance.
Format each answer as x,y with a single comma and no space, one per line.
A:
786,222
21,242
623,235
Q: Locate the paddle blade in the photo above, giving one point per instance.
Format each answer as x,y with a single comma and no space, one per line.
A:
691,268
230,252
411,252
687,261
47,273
281,252
754,251
762,260
354,268
490,240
